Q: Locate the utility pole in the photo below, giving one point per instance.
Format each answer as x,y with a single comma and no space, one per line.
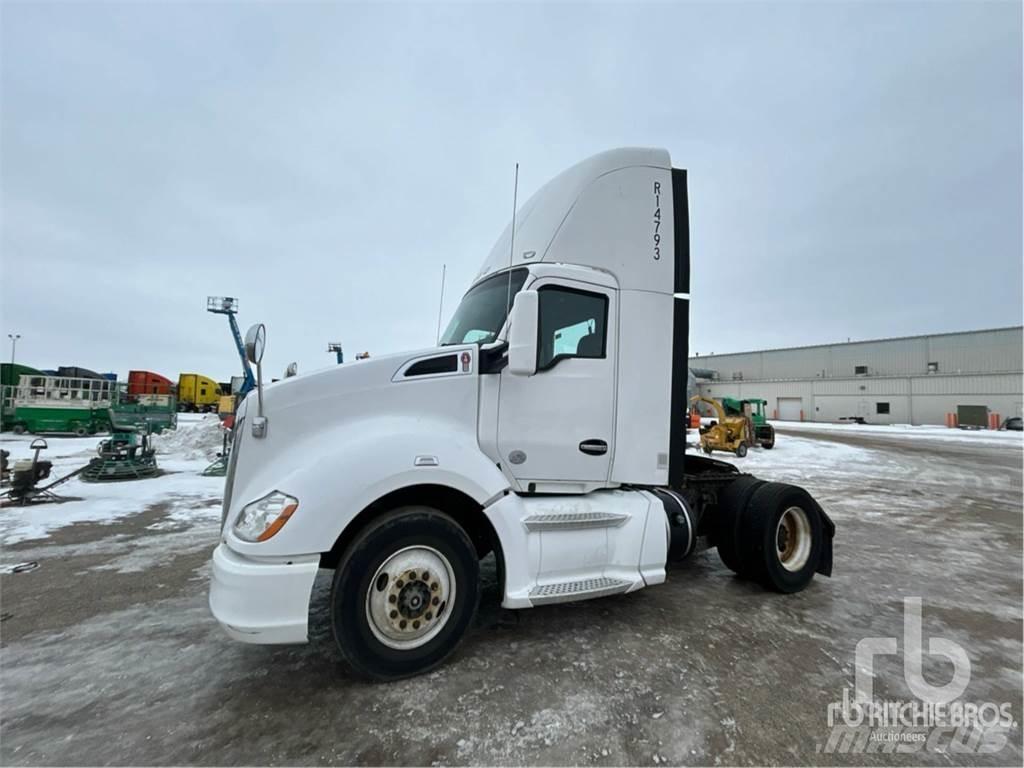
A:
335,347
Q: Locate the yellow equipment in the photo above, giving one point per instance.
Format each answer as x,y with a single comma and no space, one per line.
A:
729,433
197,393
226,406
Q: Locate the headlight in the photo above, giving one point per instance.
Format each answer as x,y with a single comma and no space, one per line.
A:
261,519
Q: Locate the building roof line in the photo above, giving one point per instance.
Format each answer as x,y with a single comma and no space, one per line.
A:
860,341
866,377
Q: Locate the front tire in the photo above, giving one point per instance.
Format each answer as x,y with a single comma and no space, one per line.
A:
741,450
408,565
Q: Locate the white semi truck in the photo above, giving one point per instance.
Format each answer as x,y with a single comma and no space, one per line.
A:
548,427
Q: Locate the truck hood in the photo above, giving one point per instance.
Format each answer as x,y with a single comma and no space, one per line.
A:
327,386
312,417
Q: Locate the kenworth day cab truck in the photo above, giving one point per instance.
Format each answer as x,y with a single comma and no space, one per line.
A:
552,435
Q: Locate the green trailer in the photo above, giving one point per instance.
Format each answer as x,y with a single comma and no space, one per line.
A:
59,404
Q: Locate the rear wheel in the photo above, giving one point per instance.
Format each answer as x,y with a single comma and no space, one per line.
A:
732,502
741,450
18,429
781,540
405,592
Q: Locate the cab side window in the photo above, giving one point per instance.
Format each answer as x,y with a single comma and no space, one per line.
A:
571,324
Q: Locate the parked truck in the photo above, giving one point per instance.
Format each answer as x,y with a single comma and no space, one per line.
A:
197,393
547,428
147,383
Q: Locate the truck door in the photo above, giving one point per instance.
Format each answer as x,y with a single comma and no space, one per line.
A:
557,426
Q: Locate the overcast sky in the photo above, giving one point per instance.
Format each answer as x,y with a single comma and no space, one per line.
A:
855,169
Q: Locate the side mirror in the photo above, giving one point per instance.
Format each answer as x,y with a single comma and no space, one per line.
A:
255,341
522,334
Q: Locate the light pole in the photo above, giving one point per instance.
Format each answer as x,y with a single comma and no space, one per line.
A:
10,375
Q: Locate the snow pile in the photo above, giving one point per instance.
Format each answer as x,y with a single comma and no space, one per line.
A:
192,440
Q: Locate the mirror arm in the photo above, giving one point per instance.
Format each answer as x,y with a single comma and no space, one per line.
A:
259,422
494,359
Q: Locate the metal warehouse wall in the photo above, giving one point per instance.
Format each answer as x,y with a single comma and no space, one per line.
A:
910,399
992,351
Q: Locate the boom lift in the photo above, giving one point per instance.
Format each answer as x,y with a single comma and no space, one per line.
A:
228,407
228,305
548,427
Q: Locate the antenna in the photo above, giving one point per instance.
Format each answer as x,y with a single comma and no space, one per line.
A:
440,306
512,243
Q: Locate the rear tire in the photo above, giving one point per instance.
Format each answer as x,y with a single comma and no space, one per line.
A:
18,429
741,450
781,538
407,565
732,503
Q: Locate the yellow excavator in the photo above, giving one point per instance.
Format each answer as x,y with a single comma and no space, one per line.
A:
727,433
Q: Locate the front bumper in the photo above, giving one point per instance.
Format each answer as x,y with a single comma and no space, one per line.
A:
262,602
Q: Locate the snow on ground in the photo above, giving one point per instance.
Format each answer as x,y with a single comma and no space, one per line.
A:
929,432
189,496
795,458
182,455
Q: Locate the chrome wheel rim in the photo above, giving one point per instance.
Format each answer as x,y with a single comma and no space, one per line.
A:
793,539
409,599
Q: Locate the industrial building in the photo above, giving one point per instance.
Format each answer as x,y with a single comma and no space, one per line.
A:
908,380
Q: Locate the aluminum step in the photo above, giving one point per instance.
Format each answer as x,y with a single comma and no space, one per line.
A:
585,589
574,521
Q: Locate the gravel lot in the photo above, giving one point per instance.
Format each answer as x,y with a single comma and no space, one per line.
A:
110,656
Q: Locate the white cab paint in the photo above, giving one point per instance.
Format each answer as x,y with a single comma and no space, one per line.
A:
543,419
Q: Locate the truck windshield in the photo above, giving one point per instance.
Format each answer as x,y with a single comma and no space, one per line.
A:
481,314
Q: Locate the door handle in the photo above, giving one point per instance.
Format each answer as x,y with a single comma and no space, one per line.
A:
594,447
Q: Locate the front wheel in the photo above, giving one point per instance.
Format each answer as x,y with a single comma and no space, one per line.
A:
404,594
18,429
741,450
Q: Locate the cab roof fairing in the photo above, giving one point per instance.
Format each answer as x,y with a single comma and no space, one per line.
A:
604,213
